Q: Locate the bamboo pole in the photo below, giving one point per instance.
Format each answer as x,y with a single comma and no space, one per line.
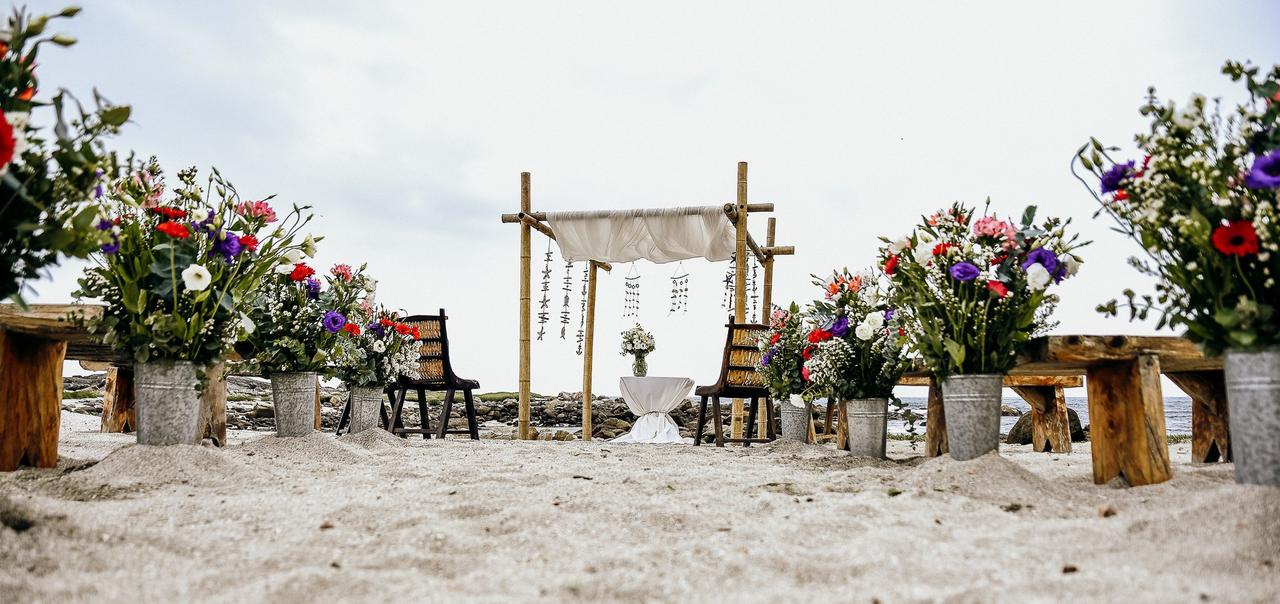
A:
542,216
525,253
740,282
587,350
766,308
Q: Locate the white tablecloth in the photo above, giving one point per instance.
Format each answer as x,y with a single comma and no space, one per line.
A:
652,399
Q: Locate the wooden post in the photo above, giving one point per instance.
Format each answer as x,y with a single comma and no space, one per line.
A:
318,422
525,245
740,284
30,400
935,427
1126,415
1210,430
1050,425
587,348
213,406
766,308
118,412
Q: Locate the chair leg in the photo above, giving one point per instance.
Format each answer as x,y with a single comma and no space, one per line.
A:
445,411
425,418
772,417
471,414
715,419
397,408
702,420
386,419
346,417
751,421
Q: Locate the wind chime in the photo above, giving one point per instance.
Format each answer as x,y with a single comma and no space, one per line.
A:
679,290
582,315
752,288
544,305
728,282
631,302
565,313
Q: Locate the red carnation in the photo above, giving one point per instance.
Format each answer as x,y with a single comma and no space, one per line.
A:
170,213
775,338
941,249
999,259
808,351
7,144
174,229
891,265
1236,238
301,271
249,242
804,373
999,288
386,322
352,329
1119,195
416,335
819,335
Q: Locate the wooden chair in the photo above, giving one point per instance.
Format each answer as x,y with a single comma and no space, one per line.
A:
436,375
738,379
345,419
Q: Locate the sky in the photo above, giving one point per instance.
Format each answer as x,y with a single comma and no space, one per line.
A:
407,124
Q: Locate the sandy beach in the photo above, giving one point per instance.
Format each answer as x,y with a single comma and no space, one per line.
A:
372,517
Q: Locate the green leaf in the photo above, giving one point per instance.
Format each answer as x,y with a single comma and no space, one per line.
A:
1028,216
115,116
955,350
1227,317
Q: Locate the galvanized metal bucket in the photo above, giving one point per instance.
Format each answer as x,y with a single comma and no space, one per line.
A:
795,419
168,403
972,407
366,402
294,396
866,421
1253,407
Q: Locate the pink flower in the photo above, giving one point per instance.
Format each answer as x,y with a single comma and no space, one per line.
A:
342,271
256,209
990,226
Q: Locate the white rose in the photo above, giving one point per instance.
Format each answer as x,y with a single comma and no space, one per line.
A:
196,278
924,252
900,244
379,347
1071,263
1038,277
200,214
875,320
864,332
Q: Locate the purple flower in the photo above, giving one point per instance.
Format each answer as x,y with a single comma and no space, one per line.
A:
113,247
333,321
104,225
768,356
1265,173
888,315
964,271
1112,178
841,326
1047,259
97,190
228,245
313,288
377,329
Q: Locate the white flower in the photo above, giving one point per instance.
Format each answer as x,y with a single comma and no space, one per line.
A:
247,324
19,121
1038,277
196,278
284,269
924,252
900,244
309,246
864,332
200,214
875,320
379,347
294,256
1071,263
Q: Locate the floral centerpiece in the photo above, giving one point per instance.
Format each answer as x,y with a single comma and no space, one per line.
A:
974,291
782,358
375,351
857,353
49,178
175,275
636,341
298,320
1202,203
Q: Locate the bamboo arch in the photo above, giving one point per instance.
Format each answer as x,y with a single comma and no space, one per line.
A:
736,213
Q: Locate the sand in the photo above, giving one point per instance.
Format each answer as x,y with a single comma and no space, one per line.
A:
371,517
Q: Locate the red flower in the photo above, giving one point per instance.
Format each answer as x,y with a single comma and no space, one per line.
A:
808,352
301,271
1119,195
998,287
170,213
804,373
386,322
819,335
173,229
891,265
416,335
999,259
27,94
7,144
1236,238
902,331
941,249
352,329
249,242
775,338
403,329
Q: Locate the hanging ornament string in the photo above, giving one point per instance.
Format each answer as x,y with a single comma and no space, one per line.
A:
544,305
631,302
753,289
565,313
679,290
582,314
728,282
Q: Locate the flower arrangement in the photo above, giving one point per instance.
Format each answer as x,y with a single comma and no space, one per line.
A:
49,180
637,341
858,348
974,290
298,320
176,274
782,347
1202,203
378,353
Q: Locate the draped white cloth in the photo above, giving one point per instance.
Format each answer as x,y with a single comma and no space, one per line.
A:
658,235
653,399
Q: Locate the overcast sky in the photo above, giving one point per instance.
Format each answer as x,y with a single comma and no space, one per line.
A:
407,125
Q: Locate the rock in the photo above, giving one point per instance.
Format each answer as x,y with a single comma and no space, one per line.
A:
1020,433
1010,411
262,411
564,435
92,381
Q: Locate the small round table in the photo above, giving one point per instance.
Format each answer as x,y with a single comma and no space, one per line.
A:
652,399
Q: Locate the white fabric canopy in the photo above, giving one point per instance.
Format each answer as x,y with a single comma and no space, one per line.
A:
653,399
659,236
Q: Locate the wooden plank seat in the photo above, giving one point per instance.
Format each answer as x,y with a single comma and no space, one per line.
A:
436,374
738,379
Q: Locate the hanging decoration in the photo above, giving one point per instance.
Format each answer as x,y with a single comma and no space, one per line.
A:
753,289
565,313
544,305
727,303
582,315
631,302
679,290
